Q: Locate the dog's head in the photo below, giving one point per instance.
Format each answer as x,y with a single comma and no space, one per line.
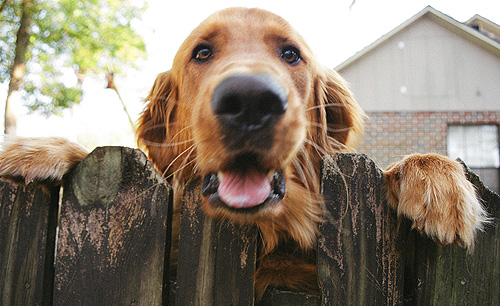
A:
247,108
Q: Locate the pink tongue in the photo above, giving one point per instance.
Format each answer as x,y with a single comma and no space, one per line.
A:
243,191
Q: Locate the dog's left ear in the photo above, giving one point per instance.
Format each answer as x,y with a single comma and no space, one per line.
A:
336,116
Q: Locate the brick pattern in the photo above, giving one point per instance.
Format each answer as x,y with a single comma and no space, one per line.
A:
390,136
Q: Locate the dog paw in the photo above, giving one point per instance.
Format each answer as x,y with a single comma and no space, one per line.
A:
39,159
434,192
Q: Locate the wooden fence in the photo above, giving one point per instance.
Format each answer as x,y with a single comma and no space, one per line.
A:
103,239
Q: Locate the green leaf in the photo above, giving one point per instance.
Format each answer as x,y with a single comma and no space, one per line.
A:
90,37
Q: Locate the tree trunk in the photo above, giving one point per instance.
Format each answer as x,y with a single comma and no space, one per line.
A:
19,66
3,5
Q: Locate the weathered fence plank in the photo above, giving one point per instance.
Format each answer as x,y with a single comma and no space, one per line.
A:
369,256
112,232
27,235
448,275
359,262
216,258
275,297
113,244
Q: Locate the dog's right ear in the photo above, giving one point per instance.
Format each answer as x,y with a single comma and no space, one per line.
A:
160,131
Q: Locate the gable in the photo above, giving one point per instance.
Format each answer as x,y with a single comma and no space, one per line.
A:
428,65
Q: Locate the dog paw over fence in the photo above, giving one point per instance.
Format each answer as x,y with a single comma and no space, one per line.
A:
103,238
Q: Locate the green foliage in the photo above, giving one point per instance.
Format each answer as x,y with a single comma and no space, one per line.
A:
86,37
51,98
9,23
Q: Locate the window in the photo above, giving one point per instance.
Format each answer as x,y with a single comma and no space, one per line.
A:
478,146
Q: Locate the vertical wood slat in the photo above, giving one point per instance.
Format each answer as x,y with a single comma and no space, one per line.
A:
216,259
28,217
356,267
112,244
112,232
359,262
448,275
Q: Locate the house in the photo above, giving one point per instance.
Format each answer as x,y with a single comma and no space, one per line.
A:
432,85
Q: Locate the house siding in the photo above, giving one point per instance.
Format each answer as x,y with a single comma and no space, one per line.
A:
423,68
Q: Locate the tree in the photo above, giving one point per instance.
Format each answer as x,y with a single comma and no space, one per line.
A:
56,38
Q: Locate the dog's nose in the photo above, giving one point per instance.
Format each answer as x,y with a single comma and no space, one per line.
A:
249,102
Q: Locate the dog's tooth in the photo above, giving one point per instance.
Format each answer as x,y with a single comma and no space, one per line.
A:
270,175
279,185
210,184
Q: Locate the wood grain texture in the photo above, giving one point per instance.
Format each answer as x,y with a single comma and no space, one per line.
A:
28,217
367,255
359,261
113,242
216,258
112,232
276,297
448,275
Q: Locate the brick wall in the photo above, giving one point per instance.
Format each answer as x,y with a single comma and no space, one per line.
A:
390,136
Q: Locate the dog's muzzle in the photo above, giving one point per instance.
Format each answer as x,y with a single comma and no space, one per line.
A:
247,107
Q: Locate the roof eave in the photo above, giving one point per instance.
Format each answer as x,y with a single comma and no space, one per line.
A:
448,22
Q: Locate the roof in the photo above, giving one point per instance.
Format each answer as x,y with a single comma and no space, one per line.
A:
478,30
485,26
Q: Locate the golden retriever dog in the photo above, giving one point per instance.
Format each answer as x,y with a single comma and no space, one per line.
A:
247,109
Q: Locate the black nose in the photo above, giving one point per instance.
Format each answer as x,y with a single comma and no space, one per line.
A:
249,102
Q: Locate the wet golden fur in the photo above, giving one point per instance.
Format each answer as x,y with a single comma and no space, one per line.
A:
183,139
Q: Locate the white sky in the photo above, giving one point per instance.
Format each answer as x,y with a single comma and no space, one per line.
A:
333,31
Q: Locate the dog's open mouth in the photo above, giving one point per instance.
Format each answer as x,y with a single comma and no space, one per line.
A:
244,188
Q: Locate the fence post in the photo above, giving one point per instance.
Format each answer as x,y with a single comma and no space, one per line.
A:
216,258
369,256
112,232
113,244
28,217
448,275
359,262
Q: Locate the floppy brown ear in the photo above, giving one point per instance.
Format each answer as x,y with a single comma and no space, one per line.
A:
337,117
160,131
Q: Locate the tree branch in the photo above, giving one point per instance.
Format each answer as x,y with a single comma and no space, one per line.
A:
4,4
112,85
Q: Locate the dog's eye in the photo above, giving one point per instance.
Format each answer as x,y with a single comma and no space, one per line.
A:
202,53
291,55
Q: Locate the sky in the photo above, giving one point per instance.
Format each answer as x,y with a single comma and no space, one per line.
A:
334,30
